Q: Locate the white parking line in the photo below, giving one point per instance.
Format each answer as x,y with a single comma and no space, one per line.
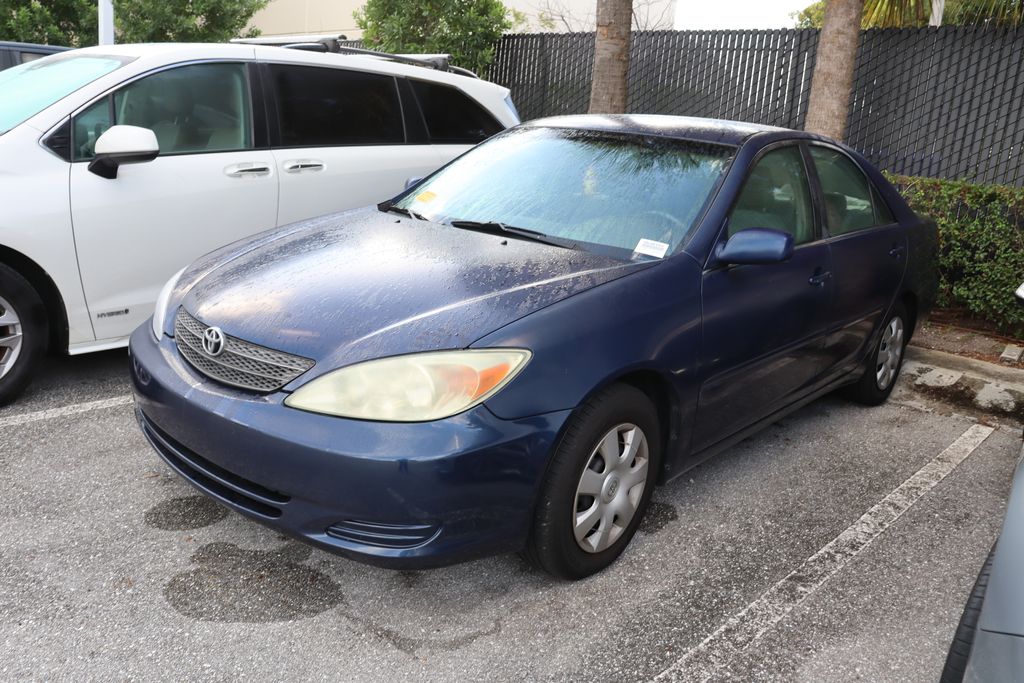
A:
750,623
73,409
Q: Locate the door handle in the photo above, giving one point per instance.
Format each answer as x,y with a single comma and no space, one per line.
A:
819,279
247,169
301,165
897,252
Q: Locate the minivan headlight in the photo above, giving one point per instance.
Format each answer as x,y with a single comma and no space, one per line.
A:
414,388
160,313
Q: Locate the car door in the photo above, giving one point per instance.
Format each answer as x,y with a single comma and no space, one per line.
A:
340,139
868,253
763,326
210,185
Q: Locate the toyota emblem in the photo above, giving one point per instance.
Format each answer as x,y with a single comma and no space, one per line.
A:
213,341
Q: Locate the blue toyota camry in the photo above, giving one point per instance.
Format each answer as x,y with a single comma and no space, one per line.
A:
511,354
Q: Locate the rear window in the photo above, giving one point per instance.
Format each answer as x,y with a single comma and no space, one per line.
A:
320,107
452,116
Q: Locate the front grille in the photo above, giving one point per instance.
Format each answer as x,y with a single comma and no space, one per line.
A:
241,364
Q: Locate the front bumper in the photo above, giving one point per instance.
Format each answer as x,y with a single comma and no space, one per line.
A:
395,495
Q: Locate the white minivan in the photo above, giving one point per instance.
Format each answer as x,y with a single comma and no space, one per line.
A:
119,165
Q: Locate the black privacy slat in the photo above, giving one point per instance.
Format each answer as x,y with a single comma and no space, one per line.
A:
944,102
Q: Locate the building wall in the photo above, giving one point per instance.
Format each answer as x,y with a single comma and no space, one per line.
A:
335,16
282,17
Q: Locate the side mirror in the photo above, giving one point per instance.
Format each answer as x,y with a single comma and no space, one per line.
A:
1020,294
415,180
757,246
123,145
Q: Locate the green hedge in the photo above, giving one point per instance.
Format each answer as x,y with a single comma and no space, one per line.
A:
981,237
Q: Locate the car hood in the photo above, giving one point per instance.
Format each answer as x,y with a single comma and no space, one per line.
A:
367,284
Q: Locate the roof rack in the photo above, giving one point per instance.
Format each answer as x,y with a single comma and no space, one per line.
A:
332,44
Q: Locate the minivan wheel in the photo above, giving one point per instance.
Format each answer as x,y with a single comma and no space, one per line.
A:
23,333
882,367
598,484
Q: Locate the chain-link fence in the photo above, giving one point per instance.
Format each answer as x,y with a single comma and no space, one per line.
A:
942,102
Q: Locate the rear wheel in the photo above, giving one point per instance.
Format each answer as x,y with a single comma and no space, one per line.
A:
598,485
882,367
23,333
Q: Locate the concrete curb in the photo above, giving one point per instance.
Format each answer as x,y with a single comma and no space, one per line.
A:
969,366
971,384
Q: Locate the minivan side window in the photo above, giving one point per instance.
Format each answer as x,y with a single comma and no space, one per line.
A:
776,195
194,109
320,107
452,116
849,205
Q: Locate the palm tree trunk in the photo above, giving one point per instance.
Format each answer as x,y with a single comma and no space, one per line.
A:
829,105
611,57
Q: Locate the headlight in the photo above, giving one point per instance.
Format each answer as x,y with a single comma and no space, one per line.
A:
160,314
414,388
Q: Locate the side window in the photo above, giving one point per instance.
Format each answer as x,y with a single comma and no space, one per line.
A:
847,193
320,107
191,109
31,56
452,116
883,214
88,127
776,195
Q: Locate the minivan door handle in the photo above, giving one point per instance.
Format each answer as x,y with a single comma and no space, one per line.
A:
247,169
303,165
897,252
819,279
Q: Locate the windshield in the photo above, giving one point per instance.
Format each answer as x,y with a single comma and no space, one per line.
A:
628,192
32,87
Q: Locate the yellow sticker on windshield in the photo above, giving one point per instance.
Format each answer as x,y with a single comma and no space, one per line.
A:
426,196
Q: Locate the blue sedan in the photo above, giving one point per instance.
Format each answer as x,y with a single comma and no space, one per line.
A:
511,354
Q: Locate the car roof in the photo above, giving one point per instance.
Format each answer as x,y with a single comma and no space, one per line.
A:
682,127
175,52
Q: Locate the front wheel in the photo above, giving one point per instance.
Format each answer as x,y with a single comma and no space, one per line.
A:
882,367
23,333
598,485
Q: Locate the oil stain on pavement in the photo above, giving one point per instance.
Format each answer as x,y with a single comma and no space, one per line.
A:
183,514
232,584
658,516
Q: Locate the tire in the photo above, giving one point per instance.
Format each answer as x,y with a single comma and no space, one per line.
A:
963,639
24,332
565,501
892,343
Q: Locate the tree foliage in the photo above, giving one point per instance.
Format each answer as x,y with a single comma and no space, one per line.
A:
74,22
915,13
465,29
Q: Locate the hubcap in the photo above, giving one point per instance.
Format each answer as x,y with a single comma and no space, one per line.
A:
890,351
610,488
10,337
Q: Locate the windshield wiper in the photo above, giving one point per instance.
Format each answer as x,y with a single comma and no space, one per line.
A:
389,207
498,228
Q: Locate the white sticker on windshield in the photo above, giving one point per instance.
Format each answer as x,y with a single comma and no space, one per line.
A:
651,248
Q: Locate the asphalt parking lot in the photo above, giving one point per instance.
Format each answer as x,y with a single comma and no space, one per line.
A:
837,545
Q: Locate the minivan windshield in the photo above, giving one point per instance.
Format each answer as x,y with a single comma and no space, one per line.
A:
639,194
29,88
